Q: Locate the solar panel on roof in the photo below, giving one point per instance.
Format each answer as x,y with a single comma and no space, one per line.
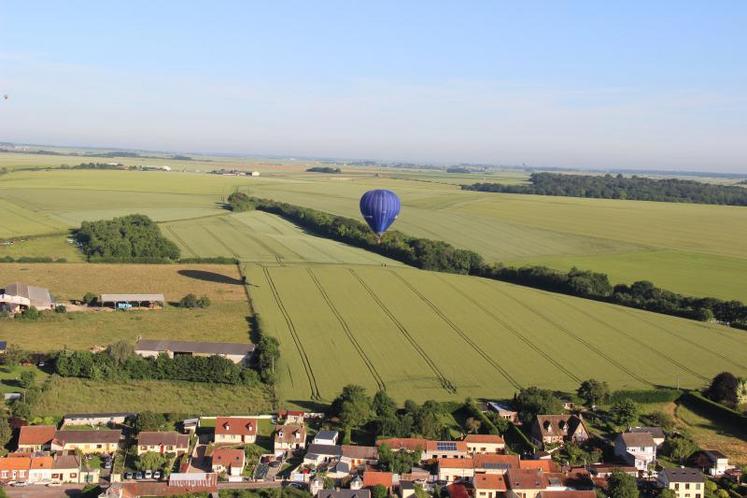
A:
446,446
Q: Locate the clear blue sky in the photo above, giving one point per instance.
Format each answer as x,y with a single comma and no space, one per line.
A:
587,84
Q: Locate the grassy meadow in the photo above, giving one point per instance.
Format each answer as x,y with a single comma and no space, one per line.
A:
225,320
423,335
72,395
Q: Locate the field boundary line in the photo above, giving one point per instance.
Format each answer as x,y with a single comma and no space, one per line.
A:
581,340
257,240
445,382
346,328
511,329
634,339
459,332
294,335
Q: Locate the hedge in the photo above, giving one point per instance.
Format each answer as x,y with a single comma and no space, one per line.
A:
643,396
697,402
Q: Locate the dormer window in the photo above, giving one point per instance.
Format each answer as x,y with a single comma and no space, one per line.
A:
547,425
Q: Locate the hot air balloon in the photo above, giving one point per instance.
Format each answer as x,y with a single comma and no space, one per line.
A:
379,208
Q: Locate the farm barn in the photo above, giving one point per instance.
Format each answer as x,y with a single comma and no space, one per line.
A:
237,353
16,297
127,301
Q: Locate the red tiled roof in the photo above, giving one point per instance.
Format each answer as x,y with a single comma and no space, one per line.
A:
457,491
484,438
243,426
373,478
455,463
568,494
360,452
45,462
485,461
228,457
15,463
490,481
544,465
526,479
36,434
404,443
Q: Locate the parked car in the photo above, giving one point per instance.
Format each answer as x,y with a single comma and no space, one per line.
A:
54,484
148,474
139,475
20,484
108,463
129,475
157,474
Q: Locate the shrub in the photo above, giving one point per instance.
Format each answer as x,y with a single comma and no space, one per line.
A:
192,301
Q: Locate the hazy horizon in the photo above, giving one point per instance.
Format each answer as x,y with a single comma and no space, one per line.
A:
574,85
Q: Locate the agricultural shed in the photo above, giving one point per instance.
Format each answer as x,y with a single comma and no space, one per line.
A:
139,300
236,352
18,296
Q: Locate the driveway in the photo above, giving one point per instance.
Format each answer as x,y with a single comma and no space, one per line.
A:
199,462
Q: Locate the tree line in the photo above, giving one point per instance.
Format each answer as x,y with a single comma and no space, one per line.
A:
120,362
324,169
440,256
131,238
619,187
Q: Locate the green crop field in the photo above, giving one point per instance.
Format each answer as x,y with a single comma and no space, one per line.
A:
261,237
423,335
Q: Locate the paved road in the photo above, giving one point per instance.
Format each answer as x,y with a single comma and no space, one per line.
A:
43,491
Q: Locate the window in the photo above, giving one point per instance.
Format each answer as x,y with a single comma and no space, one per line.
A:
73,476
99,446
676,486
687,485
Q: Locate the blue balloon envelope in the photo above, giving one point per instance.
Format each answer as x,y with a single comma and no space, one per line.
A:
379,208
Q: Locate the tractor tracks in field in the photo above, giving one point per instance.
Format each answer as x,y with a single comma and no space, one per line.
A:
576,337
294,335
346,328
445,382
222,243
513,331
459,332
620,331
170,229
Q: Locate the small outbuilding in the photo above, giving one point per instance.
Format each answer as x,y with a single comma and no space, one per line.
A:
18,297
126,301
236,352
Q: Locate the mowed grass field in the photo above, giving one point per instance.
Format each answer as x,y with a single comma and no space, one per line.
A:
261,237
423,335
225,320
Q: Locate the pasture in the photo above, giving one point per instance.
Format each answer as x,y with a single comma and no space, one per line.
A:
423,335
72,395
225,320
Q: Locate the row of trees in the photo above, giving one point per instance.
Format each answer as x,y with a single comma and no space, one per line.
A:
267,353
324,169
240,202
619,187
441,256
131,238
119,362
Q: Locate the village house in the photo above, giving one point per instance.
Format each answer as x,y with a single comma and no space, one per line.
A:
69,469
685,482
325,437
14,469
484,443
238,353
235,430
36,437
489,485
41,468
343,493
406,489
455,469
527,483
18,297
292,416
317,454
576,493
604,470
558,429
228,460
713,462
289,437
445,449
504,412
546,466
657,433
373,478
162,442
356,456
87,441
637,449
495,464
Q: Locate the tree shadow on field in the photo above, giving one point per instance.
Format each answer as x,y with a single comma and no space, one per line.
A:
209,276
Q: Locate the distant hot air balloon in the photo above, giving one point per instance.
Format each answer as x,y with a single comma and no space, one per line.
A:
379,208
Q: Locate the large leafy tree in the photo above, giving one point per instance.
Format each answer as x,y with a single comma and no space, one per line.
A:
622,485
593,391
624,413
533,401
723,389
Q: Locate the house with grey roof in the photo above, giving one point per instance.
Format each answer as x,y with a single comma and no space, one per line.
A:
239,353
17,297
637,449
